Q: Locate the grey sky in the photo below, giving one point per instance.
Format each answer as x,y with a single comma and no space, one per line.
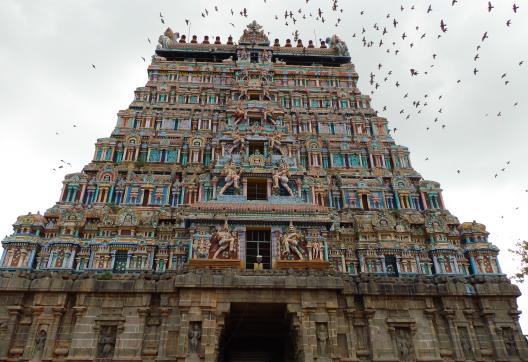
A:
47,85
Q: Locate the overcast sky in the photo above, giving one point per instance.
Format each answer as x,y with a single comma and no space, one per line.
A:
47,85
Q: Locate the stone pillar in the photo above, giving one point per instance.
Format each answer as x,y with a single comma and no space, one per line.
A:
453,333
35,322
58,313
332,333
244,186
142,319
163,334
5,342
183,339
397,200
496,336
351,341
429,314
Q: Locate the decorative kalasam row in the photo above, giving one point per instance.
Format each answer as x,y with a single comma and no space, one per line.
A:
262,136
253,35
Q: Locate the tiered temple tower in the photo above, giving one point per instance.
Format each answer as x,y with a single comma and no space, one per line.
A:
250,204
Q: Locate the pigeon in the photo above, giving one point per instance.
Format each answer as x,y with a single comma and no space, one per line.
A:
443,26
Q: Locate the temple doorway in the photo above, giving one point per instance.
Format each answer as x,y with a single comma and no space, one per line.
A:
256,332
258,242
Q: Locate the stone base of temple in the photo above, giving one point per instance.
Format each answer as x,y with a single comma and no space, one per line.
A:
216,263
301,264
279,315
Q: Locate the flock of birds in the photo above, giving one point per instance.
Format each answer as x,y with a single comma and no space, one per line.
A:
381,38
62,164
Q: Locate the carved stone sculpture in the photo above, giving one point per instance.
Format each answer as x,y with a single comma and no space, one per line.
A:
40,343
107,340
404,344
275,141
240,115
202,244
232,176
282,177
322,338
238,142
225,242
291,244
195,337
339,45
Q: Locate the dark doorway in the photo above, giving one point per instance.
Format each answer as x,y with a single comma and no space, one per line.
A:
121,257
256,146
391,265
257,189
257,333
258,242
364,200
146,196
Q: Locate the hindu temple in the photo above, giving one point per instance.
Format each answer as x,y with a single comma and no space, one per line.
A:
251,205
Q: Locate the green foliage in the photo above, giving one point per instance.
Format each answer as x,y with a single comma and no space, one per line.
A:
522,252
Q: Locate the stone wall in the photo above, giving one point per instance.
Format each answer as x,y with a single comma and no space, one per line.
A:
333,317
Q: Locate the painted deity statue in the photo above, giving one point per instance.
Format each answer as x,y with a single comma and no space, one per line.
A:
268,116
225,241
316,249
291,243
232,176
168,39
339,45
238,141
275,141
282,177
240,115
202,244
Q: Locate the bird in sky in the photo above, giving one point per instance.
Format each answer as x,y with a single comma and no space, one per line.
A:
490,7
443,26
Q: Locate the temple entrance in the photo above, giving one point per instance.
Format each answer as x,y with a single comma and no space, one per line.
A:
256,333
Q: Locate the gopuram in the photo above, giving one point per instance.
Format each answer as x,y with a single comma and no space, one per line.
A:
250,205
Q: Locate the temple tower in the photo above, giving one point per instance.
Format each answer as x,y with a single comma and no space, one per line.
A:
250,205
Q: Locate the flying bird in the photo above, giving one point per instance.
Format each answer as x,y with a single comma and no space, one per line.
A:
443,26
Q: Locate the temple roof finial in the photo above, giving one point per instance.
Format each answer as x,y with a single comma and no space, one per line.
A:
254,35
